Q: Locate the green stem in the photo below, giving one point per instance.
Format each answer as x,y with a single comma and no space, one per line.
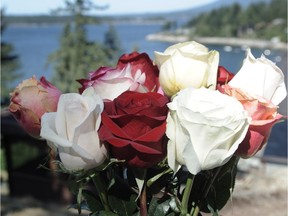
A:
143,200
210,183
101,189
143,197
186,195
195,211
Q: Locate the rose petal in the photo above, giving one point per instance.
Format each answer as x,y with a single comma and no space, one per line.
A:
261,77
257,136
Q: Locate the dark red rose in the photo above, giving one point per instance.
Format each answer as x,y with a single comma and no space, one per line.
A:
143,62
134,125
223,76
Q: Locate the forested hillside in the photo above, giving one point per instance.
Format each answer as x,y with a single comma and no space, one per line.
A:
259,20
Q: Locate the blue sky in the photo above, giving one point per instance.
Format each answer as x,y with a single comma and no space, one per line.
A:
27,7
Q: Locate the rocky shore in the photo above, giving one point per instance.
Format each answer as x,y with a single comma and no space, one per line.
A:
227,41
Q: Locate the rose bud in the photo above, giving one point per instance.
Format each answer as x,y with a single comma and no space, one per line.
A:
263,114
204,128
72,130
134,126
30,100
188,64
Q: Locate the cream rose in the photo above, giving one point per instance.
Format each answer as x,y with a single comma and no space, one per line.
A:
204,128
72,130
188,64
260,77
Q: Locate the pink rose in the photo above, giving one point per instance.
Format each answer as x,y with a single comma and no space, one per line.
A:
30,100
263,114
134,72
110,82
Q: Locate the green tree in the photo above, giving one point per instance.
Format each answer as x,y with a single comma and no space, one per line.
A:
9,65
169,26
77,55
112,45
259,20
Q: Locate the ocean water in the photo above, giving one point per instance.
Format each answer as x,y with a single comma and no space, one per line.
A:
33,44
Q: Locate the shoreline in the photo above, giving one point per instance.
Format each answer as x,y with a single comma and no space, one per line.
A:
227,41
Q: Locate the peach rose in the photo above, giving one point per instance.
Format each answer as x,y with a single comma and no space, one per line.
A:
30,100
264,115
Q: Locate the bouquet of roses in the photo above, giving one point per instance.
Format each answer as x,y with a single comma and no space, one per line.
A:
155,138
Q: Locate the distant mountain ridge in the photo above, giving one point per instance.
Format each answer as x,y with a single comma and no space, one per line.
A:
184,15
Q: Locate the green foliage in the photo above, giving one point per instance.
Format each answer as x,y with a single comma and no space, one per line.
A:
93,203
213,188
9,64
123,207
21,154
115,189
222,188
104,213
159,207
259,20
112,45
3,160
169,26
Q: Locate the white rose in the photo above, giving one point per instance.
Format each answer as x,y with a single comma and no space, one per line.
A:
204,128
72,130
260,77
188,64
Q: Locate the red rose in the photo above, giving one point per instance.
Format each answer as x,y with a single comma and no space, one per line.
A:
134,125
143,62
223,75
